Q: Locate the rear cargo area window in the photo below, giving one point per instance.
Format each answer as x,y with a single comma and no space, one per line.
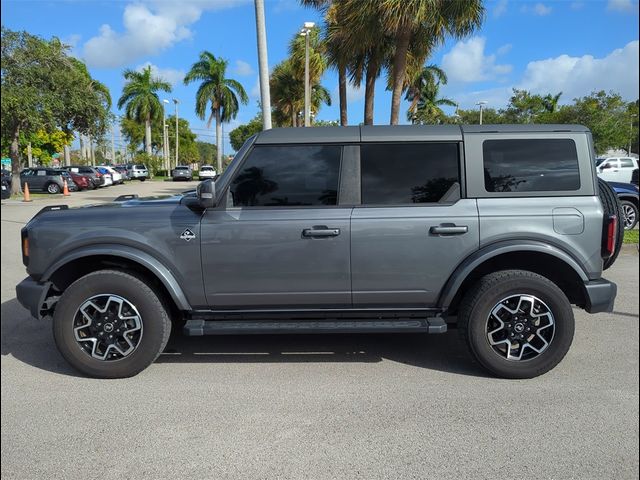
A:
542,165
404,173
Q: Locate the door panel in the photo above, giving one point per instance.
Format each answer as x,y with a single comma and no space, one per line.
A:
399,259
277,258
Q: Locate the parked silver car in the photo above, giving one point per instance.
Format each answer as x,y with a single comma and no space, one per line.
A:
182,172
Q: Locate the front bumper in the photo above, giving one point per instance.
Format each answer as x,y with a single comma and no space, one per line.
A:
600,295
32,295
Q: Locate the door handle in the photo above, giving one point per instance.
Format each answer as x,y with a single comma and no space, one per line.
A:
449,230
320,231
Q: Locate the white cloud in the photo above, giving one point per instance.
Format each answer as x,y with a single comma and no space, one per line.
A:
149,28
621,6
467,62
577,76
577,5
500,8
504,49
573,76
538,9
170,75
242,68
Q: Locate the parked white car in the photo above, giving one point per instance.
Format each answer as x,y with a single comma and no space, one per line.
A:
116,176
617,169
206,171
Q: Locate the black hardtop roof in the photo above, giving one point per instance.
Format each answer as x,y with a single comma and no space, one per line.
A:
401,133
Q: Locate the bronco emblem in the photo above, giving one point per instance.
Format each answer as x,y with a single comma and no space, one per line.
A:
187,235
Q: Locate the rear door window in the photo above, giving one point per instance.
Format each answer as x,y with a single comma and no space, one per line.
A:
626,163
283,176
407,173
532,165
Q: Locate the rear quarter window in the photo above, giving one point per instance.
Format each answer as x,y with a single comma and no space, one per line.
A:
534,165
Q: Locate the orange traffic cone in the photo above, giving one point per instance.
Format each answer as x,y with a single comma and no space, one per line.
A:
65,189
27,196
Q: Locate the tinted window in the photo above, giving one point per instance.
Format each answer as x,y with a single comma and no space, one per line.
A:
288,176
626,163
530,165
407,173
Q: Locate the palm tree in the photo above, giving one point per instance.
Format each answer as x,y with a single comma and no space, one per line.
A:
426,77
417,26
224,94
428,109
550,102
140,97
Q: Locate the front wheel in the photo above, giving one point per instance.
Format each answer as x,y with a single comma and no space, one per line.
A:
110,324
516,323
53,188
629,214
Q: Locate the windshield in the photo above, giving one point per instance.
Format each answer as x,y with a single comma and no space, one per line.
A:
237,157
599,161
139,167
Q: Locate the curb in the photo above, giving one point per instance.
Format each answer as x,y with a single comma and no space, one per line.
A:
629,248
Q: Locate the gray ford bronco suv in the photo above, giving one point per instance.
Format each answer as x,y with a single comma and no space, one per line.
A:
496,230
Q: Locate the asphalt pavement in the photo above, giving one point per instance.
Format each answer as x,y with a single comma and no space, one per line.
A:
319,407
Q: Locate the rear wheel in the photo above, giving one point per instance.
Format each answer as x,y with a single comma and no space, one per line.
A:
516,323
630,214
53,188
110,324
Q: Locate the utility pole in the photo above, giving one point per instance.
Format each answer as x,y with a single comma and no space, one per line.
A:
263,64
481,104
306,32
29,156
113,144
165,138
175,100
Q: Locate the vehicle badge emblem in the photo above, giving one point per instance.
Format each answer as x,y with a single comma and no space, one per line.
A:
187,235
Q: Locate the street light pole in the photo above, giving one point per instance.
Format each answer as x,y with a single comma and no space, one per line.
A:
165,137
481,104
631,133
263,65
175,100
306,32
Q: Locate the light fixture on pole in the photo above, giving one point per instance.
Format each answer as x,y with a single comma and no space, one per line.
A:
175,100
165,137
306,32
481,104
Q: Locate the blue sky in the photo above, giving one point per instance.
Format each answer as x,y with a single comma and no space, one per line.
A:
548,46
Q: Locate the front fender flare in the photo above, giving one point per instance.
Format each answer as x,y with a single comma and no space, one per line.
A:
148,261
463,270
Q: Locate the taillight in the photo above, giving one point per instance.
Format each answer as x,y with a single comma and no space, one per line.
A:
25,246
611,236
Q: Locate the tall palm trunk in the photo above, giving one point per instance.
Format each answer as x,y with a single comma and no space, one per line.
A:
342,90
147,136
15,162
218,139
399,69
294,117
369,91
82,156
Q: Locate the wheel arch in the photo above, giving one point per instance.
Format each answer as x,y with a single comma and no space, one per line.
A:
80,262
546,260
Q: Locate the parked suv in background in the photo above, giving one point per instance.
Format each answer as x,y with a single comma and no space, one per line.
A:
497,228
182,172
628,196
138,172
206,171
617,169
45,179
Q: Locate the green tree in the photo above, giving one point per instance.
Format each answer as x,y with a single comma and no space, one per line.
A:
45,144
223,94
426,80
241,133
43,89
207,152
140,98
427,110
187,148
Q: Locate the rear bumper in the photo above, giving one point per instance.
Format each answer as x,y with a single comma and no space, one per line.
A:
32,295
600,295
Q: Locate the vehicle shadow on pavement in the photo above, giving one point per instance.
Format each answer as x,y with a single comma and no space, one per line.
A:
31,341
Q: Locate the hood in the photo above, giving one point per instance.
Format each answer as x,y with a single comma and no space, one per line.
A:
624,187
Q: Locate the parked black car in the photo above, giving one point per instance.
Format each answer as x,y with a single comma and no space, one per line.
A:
6,184
45,179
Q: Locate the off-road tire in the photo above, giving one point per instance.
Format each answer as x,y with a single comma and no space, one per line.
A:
477,304
154,317
611,205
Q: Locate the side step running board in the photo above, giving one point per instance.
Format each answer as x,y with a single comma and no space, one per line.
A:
250,327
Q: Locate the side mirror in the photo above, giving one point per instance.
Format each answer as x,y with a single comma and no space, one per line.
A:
206,193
